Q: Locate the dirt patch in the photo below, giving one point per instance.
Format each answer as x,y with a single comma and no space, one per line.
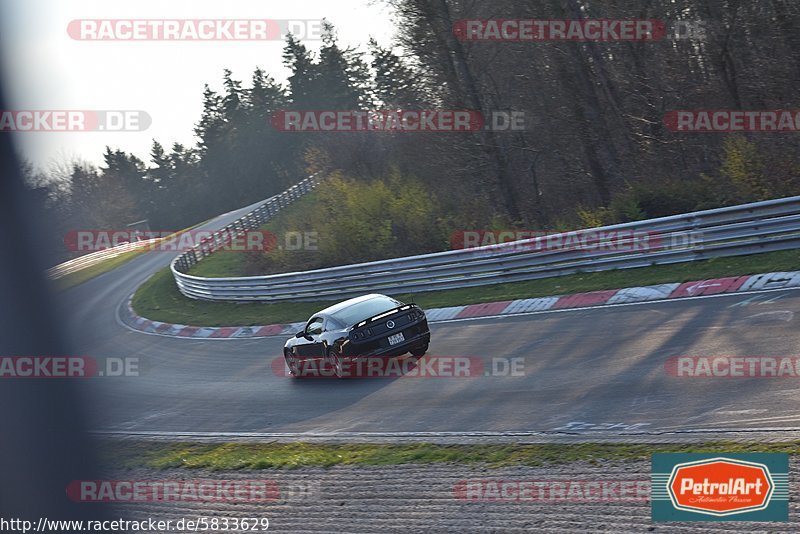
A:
426,498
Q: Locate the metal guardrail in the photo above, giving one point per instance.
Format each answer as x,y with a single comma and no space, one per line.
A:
254,219
731,231
87,260
218,239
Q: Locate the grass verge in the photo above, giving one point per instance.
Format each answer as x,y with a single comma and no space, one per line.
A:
224,263
784,260
87,273
231,456
81,276
160,300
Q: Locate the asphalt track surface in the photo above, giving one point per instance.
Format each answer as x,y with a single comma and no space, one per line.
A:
587,372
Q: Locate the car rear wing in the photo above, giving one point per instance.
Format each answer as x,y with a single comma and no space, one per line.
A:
381,315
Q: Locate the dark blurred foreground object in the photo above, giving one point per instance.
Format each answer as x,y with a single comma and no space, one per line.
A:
43,443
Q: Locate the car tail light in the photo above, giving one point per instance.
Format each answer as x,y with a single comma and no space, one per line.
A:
355,335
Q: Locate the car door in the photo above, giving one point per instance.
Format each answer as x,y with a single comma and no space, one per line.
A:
311,346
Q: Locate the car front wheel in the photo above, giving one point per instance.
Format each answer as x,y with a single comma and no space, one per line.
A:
292,364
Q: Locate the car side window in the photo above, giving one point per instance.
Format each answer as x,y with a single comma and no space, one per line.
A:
314,326
332,324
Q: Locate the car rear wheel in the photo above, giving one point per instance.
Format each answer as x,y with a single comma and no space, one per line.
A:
419,351
337,362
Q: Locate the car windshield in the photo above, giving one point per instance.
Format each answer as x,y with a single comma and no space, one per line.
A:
365,309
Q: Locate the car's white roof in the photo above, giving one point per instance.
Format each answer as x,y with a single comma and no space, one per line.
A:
339,306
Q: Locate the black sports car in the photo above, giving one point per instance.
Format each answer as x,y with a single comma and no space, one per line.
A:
358,328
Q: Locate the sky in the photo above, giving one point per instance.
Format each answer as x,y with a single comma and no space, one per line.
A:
45,69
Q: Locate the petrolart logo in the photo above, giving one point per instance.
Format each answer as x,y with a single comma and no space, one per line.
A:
720,487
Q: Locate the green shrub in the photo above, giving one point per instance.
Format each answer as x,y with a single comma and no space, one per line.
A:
743,166
356,221
592,218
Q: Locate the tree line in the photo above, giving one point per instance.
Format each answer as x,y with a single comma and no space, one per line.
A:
594,149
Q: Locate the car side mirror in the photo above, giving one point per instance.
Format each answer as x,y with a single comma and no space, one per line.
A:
300,334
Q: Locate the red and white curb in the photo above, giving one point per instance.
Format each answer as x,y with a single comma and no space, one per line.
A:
134,321
715,286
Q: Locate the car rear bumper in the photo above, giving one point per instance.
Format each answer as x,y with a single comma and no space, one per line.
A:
394,350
